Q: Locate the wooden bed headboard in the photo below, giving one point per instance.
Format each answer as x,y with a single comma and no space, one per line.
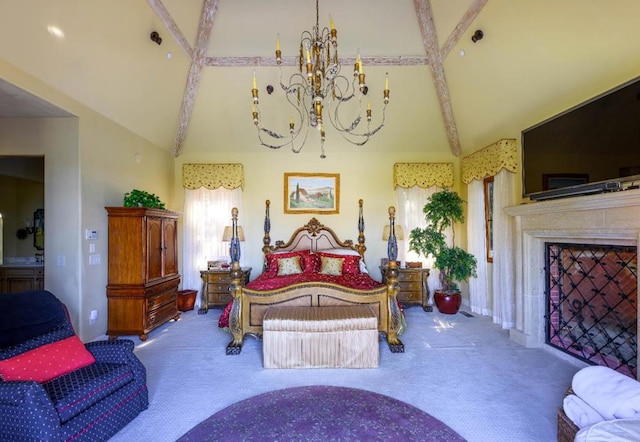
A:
313,236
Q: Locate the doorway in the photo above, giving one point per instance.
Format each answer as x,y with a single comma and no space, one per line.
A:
21,208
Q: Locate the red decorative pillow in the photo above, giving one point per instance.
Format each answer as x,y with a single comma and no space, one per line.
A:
311,263
47,362
351,264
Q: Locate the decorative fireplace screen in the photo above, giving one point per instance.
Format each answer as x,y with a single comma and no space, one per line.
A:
592,295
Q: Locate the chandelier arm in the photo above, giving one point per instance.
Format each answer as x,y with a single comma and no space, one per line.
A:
297,150
289,140
349,135
337,124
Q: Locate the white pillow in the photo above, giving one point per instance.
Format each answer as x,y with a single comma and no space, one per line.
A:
363,266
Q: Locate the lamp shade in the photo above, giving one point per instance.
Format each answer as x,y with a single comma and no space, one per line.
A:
228,233
387,230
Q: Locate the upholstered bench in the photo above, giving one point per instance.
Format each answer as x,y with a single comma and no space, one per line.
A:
320,337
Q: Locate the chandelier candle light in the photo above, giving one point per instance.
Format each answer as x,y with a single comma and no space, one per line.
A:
317,85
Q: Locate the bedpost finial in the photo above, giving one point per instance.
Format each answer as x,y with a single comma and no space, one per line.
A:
267,203
360,202
234,212
392,212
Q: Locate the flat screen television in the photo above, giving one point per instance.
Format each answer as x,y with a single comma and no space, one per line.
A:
590,147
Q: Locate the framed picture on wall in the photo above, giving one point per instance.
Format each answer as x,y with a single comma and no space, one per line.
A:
312,193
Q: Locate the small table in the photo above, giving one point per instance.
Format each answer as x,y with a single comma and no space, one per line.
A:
215,288
413,288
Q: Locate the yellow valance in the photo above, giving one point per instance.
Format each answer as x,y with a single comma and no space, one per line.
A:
212,176
490,160
422,175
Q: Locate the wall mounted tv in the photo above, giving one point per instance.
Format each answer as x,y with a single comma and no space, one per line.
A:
590,147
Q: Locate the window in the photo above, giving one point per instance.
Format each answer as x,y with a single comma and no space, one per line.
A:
488,216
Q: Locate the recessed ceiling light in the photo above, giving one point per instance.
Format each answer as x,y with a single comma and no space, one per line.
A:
462,52
55,31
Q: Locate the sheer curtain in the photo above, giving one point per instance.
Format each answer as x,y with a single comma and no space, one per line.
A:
409,215
478,287
206,213
503,304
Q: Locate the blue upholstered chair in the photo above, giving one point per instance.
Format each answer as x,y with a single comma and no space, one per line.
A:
81,392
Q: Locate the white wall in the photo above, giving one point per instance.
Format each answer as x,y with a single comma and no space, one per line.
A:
90,163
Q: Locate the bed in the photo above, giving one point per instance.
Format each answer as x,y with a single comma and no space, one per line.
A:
303,271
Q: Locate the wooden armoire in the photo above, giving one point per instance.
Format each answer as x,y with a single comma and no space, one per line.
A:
143,274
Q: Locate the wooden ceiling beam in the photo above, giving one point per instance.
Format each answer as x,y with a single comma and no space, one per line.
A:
400,60
462,27
195,72
170,24
434,56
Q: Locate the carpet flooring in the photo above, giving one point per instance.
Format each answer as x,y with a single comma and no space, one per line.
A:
321,414
464,371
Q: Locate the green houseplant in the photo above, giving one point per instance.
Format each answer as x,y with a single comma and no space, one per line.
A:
442,210
140,198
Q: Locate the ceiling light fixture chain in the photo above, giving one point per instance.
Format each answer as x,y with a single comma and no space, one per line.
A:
319,85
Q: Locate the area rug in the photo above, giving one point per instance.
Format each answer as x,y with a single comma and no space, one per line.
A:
321,413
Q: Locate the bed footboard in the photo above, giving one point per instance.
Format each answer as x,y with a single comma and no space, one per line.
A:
249,307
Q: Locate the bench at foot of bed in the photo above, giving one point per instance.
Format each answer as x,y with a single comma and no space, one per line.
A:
321,337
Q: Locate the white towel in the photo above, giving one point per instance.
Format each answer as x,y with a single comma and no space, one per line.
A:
580,412
612,394
620,430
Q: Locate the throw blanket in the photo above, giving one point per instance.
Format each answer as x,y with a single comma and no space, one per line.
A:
580,412
612,394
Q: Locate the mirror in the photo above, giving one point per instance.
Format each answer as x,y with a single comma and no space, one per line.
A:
38,229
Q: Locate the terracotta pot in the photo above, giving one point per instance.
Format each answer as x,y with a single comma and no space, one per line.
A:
447,302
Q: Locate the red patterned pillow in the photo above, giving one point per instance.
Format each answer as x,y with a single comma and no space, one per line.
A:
47,362
311,262
351,264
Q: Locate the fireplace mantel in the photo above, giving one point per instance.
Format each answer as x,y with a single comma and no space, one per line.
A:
607,218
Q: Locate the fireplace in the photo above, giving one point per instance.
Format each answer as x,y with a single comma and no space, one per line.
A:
591,310
607,220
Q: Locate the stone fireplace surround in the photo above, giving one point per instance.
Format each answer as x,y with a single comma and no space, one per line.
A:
608,218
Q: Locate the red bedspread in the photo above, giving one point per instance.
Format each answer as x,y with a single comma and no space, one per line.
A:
265,281
361,281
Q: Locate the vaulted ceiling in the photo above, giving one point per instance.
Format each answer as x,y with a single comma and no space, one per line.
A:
449,95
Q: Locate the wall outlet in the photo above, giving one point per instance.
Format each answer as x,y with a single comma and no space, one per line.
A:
93,316
94,259
62,261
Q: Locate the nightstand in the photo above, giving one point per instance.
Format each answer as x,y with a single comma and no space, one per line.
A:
215,288
413,289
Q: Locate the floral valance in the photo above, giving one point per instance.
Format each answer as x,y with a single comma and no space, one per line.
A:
490,160
422,175
212,176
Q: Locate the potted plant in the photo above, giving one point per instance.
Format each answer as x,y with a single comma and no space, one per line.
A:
442,210
140,198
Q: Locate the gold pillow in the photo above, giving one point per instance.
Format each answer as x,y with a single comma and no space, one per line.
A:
289,266
331,266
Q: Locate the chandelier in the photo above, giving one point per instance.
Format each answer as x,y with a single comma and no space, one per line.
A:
320,92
